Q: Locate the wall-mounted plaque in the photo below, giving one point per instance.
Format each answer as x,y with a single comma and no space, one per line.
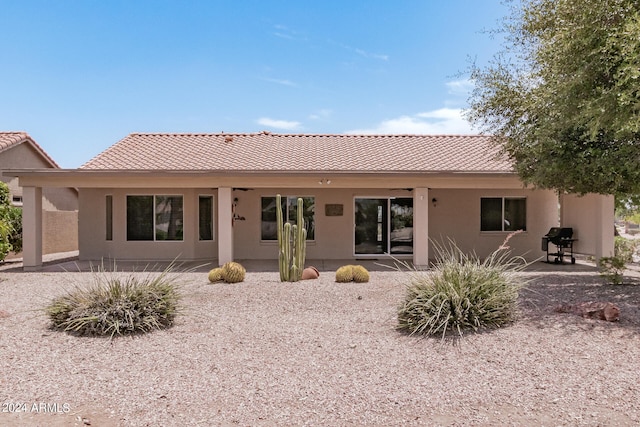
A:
333,210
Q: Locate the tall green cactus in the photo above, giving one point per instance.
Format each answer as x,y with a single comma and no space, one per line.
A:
292,244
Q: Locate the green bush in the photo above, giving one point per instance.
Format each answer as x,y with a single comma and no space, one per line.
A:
14,218
462,292
116,304
10,224
612,268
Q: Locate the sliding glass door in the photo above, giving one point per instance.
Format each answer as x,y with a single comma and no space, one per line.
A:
371,231
383,225
401,234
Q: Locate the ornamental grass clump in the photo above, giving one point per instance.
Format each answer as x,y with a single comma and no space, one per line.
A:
117,304
462,292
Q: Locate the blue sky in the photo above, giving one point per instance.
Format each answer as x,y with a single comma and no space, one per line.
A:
79,75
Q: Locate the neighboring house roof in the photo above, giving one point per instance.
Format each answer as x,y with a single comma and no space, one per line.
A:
268,152
9,140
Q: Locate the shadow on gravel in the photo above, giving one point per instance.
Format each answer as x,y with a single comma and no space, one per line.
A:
540,299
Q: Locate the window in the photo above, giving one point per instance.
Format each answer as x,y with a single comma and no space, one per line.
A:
383,225
503,214
154,218
289,213
205,217
109,214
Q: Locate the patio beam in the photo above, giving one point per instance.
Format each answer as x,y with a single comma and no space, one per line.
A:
225,225
421,227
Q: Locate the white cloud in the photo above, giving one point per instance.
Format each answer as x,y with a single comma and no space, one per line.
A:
283,82
366,54
285,32
361,52
323,114
445,121
460,87
279,124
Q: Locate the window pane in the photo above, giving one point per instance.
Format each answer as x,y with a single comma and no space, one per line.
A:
491,214
139,217
515,214
401,237
269,229
205,217
169,218
308,214
371,226
289,211
109,215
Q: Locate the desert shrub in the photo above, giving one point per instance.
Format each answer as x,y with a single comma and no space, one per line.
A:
612,268
462,292
116,304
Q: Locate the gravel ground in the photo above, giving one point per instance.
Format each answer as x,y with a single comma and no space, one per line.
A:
265,353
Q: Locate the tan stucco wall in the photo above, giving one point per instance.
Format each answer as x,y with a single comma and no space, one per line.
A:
592,218
59,231
92,228
456,215
24,156
53,199
334,234
59,205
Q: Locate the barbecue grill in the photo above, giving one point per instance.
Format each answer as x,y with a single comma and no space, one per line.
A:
562,239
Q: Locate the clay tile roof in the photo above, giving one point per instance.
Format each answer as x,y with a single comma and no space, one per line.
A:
11,139
271,152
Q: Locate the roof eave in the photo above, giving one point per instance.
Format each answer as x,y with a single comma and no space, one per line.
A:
244,172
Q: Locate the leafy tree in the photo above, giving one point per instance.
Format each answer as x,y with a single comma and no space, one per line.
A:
10,224
563,97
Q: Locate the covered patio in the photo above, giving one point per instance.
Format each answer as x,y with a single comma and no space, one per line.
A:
213,203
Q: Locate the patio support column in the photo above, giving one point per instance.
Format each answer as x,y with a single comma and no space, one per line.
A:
31,228
604,225
421,227
225,225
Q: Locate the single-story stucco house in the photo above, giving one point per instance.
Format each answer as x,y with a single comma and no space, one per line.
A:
59,204
212,197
